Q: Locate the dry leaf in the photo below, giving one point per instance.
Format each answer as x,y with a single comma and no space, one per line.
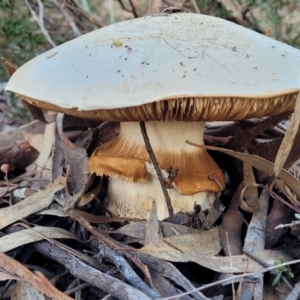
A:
260,164
278,215
44,144
15,150
37,280
232,226
30,205
5,276
238,263
152,227
205,242
16,239
288,139
250,194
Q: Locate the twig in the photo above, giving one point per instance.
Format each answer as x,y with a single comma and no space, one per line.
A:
157,169
266,265
132,10
80,269
277,197
77,288
126,270
83,14
294,223
196,7
91,229
40,20
216,283
160,266
64,139
75,29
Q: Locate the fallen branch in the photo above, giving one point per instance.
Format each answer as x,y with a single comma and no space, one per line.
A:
126,270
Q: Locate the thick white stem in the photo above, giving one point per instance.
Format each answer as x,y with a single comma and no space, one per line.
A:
134,199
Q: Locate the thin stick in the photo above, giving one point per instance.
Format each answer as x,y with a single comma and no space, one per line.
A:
266,265
67,17
40,20
157,169
196,7
77,288
216,283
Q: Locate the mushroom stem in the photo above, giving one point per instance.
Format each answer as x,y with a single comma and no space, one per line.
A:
133,182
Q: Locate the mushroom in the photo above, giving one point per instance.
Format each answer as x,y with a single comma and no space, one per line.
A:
174,72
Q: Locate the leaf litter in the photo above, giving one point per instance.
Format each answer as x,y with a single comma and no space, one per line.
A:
67,222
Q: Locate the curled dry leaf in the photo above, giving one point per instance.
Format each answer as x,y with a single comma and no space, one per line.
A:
16,150
63,137
76,160
279,215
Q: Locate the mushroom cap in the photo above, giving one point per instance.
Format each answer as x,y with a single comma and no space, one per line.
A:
179,58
